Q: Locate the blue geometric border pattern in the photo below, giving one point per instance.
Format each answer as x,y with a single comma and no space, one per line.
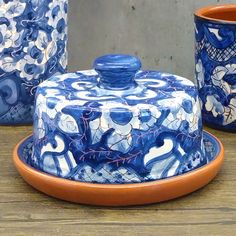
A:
216,72
33,37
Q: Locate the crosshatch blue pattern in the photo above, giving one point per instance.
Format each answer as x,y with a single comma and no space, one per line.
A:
212,149
216,72
33,36
85,132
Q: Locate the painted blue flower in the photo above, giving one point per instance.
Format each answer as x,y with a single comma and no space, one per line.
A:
33,36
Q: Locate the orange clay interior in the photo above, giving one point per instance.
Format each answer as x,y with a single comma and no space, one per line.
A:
224,12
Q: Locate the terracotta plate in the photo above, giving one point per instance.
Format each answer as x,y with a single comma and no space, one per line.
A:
120,194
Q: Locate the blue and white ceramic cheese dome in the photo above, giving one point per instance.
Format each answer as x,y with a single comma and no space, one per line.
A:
117,124
33,38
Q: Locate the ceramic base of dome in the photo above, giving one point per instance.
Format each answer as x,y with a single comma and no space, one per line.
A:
120,194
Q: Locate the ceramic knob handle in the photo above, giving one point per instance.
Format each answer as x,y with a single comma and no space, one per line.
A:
117,71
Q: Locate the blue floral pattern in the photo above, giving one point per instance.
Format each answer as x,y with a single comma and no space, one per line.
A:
87,133
216,72
33,37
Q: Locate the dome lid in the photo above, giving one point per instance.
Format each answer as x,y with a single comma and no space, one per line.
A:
116,79
117,124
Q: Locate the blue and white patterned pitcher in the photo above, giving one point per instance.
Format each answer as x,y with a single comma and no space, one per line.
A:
33,38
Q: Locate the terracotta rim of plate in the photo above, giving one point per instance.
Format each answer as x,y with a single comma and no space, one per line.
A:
119,194
225,13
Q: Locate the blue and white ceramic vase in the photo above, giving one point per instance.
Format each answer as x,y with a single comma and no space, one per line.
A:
215,54
117,124
33,38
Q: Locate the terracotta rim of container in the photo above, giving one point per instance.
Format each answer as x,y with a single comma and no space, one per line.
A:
120,194
225,13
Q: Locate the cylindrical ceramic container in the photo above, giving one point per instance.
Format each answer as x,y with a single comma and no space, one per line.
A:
215,54
33,37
